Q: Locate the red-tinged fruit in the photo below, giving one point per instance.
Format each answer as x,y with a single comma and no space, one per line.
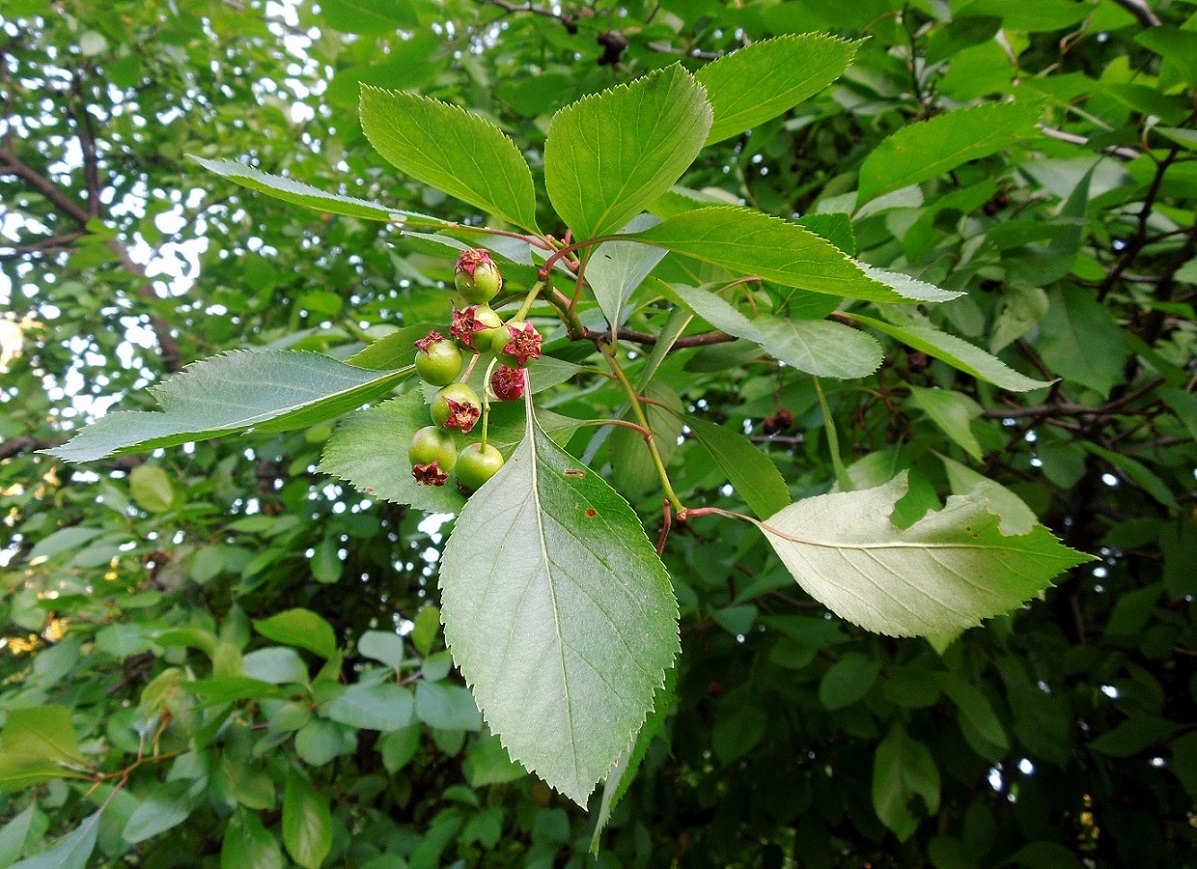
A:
457,406
475,327
476,276
476,465
517,343
438,360
507,383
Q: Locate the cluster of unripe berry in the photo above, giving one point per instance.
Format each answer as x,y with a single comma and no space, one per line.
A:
457,407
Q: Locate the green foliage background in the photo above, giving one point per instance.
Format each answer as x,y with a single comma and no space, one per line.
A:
200,649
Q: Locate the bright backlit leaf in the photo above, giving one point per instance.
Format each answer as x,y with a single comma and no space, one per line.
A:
946,572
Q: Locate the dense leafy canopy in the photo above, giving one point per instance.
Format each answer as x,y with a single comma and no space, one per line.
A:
912,283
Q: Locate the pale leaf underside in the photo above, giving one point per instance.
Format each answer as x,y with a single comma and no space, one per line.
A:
945,573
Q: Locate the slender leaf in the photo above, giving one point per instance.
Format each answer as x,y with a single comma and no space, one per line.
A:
452,150
307,824
14,834
958,353
248,843
559,614
617,268
817,347
769,77
41,732
298,193
922,151
952,411
159,812
753,243
925,580
71,852
609,155
751,473
262,390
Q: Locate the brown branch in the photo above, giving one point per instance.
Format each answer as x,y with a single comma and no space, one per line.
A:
25,444
648,338
86,134
11,164
1068,408
51,244
1074,139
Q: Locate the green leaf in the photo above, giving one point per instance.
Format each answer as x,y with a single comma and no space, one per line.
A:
632,467
908,287
278,665
248,843
263,390
383,646
559,614
301,628
817,347
920,581
848,680
753,243
903,768
160,811
770,77
617,268
609,155
1137,472
383,707
951,411
445,706
151,489
958,353
1040,16
452,150
71,851
228,689
299,193
1178,46
974,707
367,16
14,834
42,733
1079,341
1017,517
918,152
751,473
18,771
307,824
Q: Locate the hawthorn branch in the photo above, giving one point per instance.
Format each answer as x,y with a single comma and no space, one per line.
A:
11,164
1069,408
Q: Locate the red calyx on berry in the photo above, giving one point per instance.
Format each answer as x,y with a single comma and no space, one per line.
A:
476,276
516,343
507,383
474,327
456,406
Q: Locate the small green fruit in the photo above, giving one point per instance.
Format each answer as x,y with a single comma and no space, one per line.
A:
476,465
477,277
517,343
432,455
456,406
438,361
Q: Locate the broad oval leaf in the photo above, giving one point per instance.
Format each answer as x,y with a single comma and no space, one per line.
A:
266,390
753,243
944,573
919,152
958,353
298,193
452,150
818,347
383,707
559,614
769,77
611,154
302,628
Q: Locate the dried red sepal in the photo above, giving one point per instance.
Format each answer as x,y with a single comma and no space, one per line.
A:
507,383
428,340
524,343
462,415
429,474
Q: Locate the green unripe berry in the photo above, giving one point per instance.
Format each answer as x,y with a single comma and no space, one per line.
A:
477,277
475,327
432,454
438,361
476,465
517,343
456,406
